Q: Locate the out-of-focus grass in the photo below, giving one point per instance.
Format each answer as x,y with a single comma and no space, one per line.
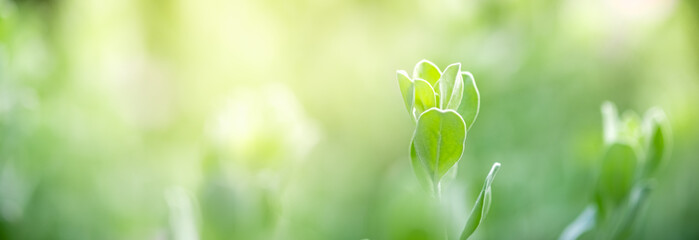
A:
106,106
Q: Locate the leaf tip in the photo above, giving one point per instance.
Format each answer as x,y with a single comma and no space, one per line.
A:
456,65
402,72
495,168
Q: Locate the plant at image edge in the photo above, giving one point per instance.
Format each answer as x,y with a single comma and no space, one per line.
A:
635,149
444,106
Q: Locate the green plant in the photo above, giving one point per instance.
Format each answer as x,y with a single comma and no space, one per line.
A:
444,105
634,149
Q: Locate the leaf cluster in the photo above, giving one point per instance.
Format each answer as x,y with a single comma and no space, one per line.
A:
444,105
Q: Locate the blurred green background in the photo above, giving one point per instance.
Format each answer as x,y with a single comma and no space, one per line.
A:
272,119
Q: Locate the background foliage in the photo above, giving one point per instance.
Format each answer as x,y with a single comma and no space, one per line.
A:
282,119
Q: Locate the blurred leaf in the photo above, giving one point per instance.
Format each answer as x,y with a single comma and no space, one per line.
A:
657,144
424,97
470,102
439,141
420,170
610,122
482,206
428,71
582,224
655,150
407,89
636,200
630,129
182,214
451,87
451,174
616,176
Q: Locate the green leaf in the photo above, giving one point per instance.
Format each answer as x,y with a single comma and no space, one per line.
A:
439,141
451,174
424,97
610,122
470,101
450,87
636,200
407,89
630,129
420,170
427,71
616,176
482,206
436,87
655,150
582,224
657,144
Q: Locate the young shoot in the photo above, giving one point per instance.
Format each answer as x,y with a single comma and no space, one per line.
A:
444,105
